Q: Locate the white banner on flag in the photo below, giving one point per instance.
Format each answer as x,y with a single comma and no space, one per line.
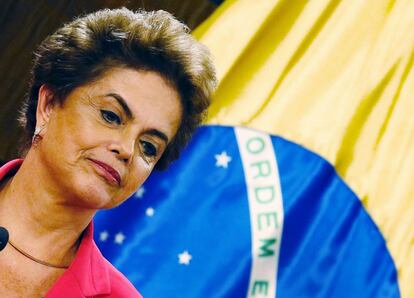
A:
266,209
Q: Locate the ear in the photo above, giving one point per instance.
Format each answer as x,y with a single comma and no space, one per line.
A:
45,104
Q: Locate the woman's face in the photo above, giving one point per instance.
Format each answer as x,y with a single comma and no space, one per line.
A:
101,144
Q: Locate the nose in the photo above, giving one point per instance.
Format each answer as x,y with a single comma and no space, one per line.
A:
123,148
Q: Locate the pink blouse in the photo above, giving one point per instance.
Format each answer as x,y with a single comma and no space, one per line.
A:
89,274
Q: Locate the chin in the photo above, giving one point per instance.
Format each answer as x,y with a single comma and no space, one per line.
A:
94,194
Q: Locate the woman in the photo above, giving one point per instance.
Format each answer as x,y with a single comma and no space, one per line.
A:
113,95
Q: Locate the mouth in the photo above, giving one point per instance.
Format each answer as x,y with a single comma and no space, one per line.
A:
106,171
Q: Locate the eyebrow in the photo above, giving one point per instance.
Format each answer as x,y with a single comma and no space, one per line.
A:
127,110
157,133
122,103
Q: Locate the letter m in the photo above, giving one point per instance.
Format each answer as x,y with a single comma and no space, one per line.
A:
265,251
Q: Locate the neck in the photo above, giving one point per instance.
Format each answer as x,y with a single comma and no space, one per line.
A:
38,217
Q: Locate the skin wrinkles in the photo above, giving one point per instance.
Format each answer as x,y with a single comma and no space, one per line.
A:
129,114
156,137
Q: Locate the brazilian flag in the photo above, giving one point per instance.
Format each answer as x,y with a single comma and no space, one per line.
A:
300,183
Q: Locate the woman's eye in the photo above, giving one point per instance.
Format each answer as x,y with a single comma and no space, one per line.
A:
110,117
148,149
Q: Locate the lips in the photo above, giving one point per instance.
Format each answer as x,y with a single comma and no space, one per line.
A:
109,173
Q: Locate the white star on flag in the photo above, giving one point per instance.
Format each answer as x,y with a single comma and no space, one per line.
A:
150,212
103,236
140,192
222,159
184,258
119,238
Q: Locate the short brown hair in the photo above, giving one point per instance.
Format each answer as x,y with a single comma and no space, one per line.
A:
84,49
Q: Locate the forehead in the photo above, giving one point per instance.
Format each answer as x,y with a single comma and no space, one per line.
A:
148,84
138,80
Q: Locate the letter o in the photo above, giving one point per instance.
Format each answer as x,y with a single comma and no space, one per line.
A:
255,145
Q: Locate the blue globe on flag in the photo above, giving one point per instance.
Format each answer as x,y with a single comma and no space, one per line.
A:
246,214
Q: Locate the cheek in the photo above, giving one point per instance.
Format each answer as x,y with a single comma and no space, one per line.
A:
136,177
72,137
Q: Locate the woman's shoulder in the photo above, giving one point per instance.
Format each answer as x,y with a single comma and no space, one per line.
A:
120,285
105,276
